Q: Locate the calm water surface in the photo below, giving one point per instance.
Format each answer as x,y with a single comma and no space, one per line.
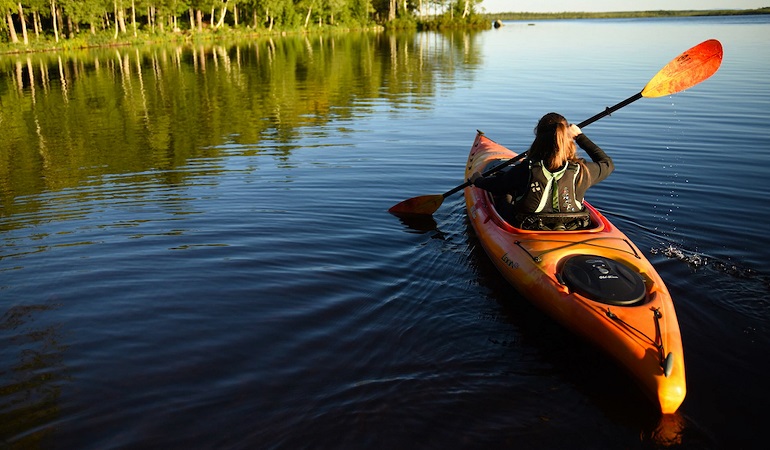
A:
196,249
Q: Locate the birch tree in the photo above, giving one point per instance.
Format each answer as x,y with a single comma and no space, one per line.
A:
11,26
55,20
23,24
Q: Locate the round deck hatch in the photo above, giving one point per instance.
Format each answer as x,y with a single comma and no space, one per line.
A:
603,280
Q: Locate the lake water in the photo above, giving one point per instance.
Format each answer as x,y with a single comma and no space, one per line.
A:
196,249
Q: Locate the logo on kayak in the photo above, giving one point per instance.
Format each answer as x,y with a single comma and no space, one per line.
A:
604,272
508,262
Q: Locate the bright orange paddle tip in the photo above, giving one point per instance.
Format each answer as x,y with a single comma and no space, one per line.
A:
686,70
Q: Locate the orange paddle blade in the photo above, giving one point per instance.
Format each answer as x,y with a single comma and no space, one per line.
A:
424,204
686,70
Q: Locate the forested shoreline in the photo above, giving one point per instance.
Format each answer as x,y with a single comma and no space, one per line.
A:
43,25
35,25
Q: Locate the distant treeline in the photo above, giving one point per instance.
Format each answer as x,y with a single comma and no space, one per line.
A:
45,24
624,14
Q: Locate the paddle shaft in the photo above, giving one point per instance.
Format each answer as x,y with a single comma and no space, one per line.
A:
683,72
607,111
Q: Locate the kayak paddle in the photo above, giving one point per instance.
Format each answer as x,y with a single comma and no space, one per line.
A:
686,70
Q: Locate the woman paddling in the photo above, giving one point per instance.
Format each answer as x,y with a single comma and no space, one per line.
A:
545,191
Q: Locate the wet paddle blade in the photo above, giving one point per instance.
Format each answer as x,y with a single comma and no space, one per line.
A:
424,204
686,70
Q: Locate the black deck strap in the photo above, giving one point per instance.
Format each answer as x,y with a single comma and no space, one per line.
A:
615,317
666,361
591,242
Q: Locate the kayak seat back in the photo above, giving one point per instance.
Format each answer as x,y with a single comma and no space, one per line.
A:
580,220
603,280
559,222
555,221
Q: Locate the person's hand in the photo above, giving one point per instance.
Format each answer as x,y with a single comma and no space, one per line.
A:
575,130
474,177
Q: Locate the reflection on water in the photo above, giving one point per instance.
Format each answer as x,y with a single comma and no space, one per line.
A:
30,387
70,120
104,143
669,430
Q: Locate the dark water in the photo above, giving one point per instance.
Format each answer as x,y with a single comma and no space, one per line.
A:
196,250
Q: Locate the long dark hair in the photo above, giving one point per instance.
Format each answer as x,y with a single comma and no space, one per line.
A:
553,144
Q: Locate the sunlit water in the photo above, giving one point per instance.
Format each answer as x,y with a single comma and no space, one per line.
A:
196,250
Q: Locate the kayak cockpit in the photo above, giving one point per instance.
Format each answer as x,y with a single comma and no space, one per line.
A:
594,221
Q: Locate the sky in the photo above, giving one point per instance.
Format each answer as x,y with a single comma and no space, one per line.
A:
493,6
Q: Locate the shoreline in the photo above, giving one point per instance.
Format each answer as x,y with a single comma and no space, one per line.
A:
179,37
103,40
566,15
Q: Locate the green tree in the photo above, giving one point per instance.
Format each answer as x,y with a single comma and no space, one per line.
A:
360,10
338,9
38,8
223,5
23,20
84,11
169,12
8,7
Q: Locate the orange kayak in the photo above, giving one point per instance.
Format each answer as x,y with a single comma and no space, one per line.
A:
595,282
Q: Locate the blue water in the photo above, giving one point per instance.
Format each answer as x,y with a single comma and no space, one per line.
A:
259,295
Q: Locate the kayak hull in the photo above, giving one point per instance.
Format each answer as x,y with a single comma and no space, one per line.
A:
643,337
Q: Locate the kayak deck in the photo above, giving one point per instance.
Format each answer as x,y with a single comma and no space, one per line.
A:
595,282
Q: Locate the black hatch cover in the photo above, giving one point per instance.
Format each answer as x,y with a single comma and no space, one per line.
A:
603,280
